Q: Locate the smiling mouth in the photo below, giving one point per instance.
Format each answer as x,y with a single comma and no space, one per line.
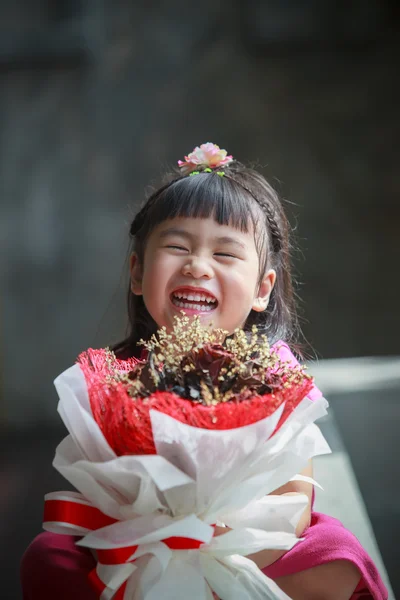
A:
196,301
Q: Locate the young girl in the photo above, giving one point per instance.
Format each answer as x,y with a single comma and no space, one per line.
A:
214,241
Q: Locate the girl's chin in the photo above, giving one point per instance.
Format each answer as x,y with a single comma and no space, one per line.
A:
205,317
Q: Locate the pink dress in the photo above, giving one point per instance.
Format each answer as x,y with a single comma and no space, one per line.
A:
53,567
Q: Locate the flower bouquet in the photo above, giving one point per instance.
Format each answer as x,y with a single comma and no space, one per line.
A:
195,434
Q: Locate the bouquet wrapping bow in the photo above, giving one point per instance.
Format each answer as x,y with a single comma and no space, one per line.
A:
149,519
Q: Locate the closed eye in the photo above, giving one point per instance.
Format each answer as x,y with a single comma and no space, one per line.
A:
225,254
177,248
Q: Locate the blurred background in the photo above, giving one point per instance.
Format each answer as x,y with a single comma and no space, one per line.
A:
97,99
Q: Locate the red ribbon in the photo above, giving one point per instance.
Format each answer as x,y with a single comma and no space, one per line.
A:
83,515
75,513
118,556
99,586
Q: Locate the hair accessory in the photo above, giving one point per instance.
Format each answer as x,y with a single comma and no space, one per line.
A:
207,157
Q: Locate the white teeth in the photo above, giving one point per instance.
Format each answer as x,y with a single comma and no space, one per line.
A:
196,297
199,307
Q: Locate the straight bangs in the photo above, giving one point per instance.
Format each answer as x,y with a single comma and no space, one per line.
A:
204,196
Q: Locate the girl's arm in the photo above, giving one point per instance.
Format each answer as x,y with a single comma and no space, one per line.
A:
300,487
264,558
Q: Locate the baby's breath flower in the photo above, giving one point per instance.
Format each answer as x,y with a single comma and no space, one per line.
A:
206,365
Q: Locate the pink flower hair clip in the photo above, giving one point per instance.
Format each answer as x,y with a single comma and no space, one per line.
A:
206,157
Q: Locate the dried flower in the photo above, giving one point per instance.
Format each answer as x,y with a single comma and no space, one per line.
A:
206,365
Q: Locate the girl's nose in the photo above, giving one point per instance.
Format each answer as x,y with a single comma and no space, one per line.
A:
198,268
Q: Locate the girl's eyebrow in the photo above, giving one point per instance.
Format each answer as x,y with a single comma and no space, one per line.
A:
174,231
230,240
225,239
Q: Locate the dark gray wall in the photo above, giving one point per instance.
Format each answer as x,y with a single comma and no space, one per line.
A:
123,91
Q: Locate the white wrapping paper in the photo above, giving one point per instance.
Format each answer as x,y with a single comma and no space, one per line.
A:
198,478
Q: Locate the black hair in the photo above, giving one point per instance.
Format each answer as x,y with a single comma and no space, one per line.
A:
241,197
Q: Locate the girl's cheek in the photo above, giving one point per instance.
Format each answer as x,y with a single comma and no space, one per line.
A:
164,260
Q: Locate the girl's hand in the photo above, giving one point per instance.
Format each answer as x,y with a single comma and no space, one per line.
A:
220,530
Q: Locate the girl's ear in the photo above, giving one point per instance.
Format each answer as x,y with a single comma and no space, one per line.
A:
136,274
262,298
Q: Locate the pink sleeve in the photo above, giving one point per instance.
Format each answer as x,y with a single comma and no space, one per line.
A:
55,568
326,540
286,355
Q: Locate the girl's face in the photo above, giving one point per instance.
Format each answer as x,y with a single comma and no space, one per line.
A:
202,268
